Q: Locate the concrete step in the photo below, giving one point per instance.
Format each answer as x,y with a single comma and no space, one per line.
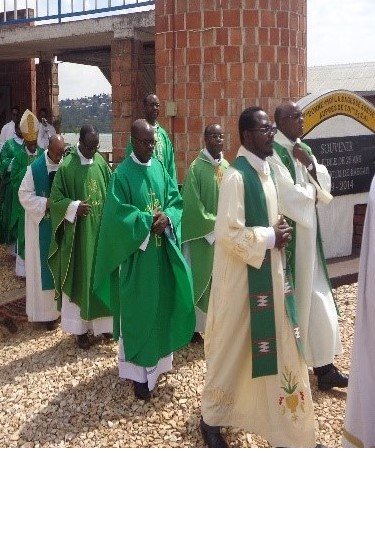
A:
343,271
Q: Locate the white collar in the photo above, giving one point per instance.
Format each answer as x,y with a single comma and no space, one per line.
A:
260,165
30,153
214,162
83,159
51,166
285,141
18,140
137,161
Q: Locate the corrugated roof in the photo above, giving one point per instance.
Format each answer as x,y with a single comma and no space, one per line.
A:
356,77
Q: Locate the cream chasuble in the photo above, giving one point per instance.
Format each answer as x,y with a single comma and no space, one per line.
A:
277,407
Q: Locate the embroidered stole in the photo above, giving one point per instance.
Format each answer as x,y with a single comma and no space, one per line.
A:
262,312
43,183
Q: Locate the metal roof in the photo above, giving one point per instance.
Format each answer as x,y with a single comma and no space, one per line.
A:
356,77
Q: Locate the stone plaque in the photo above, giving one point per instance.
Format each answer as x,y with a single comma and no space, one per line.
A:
350,161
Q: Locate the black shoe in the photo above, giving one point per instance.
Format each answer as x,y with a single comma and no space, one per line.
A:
212,436
196,338
332,379
51,325
320,446
107,335
141,390
83,341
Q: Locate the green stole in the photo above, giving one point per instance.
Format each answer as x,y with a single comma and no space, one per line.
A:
42,184
291,246
262,312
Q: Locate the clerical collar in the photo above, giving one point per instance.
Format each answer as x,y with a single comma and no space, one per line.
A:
83,159
214,162
30,153
137,161
285,141
18,140
259,164
50,164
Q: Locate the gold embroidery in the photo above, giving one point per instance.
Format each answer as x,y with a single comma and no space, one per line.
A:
152,207
292,400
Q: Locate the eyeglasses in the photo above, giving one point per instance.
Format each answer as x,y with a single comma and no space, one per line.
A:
146,142
264,130
216,136
294,116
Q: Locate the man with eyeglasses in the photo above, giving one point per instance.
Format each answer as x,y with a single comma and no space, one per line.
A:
256,377
302,183
200,193
163,149
140,271
76,204
8,131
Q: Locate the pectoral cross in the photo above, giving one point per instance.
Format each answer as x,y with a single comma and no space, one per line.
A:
219,175
153,207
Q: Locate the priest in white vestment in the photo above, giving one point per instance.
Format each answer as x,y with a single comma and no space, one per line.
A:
278,405
8,131
40,304
46,130
359,425
301,183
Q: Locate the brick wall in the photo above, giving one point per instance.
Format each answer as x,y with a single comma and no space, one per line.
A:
21,77
215,57
358,223
131,77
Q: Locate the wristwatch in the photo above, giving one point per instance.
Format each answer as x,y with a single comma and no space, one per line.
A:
310,167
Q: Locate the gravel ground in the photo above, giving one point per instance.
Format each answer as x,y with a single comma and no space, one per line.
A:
8,279
52,394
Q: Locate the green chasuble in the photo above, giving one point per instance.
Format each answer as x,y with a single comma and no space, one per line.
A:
6,195
262,315
163,151
17,218
73,245
200,193
149,292
291,246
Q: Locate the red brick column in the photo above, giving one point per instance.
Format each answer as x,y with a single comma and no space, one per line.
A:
47,88
127,93
20,77
216,57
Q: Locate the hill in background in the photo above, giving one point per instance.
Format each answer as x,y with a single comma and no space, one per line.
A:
96,110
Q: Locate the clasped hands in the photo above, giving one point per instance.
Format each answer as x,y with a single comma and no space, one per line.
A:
283,233
160,222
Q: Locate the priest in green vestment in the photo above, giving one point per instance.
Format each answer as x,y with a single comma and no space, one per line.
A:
23,157
140,272
7,154
302,184
163,149
257,379
200,193
76,205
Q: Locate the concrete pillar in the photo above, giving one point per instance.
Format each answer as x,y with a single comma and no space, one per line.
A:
47,88
127,91
216,57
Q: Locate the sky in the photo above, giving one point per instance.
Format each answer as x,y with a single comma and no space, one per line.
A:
338,31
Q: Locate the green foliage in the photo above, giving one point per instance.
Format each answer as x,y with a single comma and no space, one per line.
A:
96,110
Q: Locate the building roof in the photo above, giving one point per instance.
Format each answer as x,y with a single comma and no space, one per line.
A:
355,77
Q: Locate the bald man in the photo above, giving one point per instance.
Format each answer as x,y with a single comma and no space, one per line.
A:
302,182
34,194
140,272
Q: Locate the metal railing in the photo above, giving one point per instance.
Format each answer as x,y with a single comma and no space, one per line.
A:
29,11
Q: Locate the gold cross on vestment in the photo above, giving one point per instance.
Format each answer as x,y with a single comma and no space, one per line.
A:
153,207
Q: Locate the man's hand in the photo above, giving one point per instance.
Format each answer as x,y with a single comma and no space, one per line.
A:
283,233
160,223
83,209
305,159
